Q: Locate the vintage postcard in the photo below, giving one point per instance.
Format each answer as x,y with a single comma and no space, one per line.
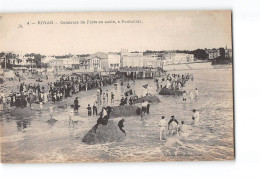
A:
116,87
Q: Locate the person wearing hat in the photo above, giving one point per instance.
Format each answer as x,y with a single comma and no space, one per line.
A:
162,127
173,125
195,116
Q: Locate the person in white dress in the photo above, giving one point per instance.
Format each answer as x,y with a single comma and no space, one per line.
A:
183,128
191,96
162,127
71,114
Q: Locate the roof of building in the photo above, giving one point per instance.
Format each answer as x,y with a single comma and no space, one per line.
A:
101,55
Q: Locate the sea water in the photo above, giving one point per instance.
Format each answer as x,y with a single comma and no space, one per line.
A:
33,139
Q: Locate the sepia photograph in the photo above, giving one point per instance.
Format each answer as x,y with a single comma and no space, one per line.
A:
140,86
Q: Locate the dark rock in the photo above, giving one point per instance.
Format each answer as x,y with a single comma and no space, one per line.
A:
101,134
166,91
150,99
22,112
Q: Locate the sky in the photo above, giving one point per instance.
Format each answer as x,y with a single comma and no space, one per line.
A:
164,30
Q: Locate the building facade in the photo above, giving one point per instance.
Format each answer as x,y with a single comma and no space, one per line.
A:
113,61
132,60
95,63
228,53
176,58
213,53
56,64
152,61
72,62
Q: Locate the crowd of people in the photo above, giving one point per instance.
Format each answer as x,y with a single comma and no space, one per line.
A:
65,87
173,81
175,127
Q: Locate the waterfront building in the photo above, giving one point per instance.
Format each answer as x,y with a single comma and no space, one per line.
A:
228,53
56,64
95,63
152,61
176,58
113,61
213,53
133,59
71,63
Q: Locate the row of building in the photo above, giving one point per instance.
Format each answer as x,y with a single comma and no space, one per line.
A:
101,61
215,53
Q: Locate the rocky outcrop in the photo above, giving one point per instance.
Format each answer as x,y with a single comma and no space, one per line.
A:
101,134
150,99
22,112
166,91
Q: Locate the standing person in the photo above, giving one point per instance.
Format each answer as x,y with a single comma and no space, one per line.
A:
173,125
144,106
148,108
191,96
29,99
95,108
76,105
196,93
3,101
71,120
40,105
104,113
162,126
184,96
54,97
107,96
89,110
109,110
195,116
104,98
45,96
121,125
182,128
131,101
142,115
103,119
86,85
51,110
112,97
98,96
41,97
